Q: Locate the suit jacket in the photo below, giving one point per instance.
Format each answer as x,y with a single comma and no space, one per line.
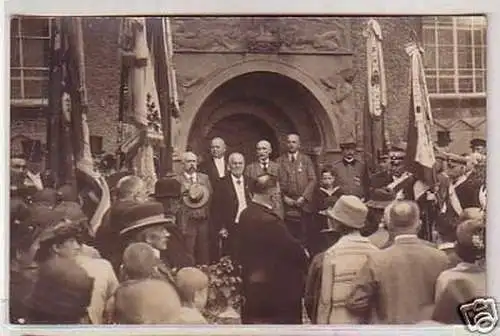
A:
208,167
351,177
272,260
254,169
398,282
187,214
297,178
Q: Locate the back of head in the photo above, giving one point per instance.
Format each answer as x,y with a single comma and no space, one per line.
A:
404,216
263,184
471,239
128,186
189,280
139,261
149,301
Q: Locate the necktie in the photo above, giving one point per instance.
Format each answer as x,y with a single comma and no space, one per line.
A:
292,158
264,167
192,179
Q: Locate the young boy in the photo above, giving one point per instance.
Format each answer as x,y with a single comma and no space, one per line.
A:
325,197
192,285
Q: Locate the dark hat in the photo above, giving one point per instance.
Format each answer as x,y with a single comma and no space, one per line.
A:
196,196
380,198
167,187
45,196
477,143
67,192
62,288
143,215
347,144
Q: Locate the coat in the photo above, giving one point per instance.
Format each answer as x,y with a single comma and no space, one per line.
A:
223,211
474,274
341,264
398,282
208,168
254,169
274,266
351,177
297,179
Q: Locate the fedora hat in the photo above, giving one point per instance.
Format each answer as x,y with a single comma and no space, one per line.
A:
196,196
143,215
347,144
350,211
380,198
477,143
167,187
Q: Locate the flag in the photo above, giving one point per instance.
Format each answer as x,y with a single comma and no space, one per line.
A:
375,138
145,113
69,138
420,156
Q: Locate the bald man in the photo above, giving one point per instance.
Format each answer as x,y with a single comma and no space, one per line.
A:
193,217
264,165
398,282
297,179
215,166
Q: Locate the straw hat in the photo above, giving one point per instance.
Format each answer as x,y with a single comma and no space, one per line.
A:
196,196
350,211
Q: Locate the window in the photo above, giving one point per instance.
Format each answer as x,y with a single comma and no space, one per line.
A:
29,60
455,54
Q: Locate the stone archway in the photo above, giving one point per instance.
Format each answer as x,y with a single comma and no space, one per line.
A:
317,121
259,105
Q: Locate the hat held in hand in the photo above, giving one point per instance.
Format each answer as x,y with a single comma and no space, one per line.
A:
350,211
196,196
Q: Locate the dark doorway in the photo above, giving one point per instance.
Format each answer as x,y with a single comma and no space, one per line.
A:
242,132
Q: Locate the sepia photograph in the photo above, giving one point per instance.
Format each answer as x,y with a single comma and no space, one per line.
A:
248,170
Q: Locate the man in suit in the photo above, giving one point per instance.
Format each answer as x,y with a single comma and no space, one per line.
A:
297,179
216,166
194,211
397,283
264,165
273,263
231,197
350,171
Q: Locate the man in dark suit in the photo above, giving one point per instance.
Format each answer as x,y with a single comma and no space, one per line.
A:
297,179
397,283
216,166
274,264
350,171
230,198
264,165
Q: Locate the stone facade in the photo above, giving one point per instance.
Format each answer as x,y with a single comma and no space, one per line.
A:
274,75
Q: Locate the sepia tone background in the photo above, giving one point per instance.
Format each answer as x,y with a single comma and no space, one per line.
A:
236,76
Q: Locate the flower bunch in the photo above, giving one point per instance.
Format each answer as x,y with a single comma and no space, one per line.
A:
224,286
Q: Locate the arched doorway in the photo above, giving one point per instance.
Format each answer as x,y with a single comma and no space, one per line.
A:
255,106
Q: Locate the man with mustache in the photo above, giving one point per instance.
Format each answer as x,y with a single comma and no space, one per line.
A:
350,171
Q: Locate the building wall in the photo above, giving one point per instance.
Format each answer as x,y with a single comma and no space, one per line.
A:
103,71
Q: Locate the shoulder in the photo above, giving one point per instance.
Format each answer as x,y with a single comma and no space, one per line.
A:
337,163
203,176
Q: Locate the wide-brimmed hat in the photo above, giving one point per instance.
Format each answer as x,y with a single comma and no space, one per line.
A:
350,211
380,198
167,187
196,196
143,215
62,288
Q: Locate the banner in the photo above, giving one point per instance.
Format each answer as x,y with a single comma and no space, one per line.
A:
420,154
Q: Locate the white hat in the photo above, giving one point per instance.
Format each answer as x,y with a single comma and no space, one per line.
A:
350,211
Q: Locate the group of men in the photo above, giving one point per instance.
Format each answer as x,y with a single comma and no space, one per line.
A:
271,217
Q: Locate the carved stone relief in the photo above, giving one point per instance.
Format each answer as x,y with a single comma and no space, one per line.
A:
339,87
262,34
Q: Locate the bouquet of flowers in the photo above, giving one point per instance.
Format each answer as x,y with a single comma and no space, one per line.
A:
224,298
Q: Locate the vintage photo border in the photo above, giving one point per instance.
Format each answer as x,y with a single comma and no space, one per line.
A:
255,7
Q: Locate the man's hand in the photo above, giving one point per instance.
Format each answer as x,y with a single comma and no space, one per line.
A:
288,201
300,201
223,233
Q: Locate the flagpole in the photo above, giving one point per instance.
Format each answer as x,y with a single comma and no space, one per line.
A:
163,87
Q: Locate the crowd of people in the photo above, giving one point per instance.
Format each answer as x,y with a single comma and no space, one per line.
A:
347,244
